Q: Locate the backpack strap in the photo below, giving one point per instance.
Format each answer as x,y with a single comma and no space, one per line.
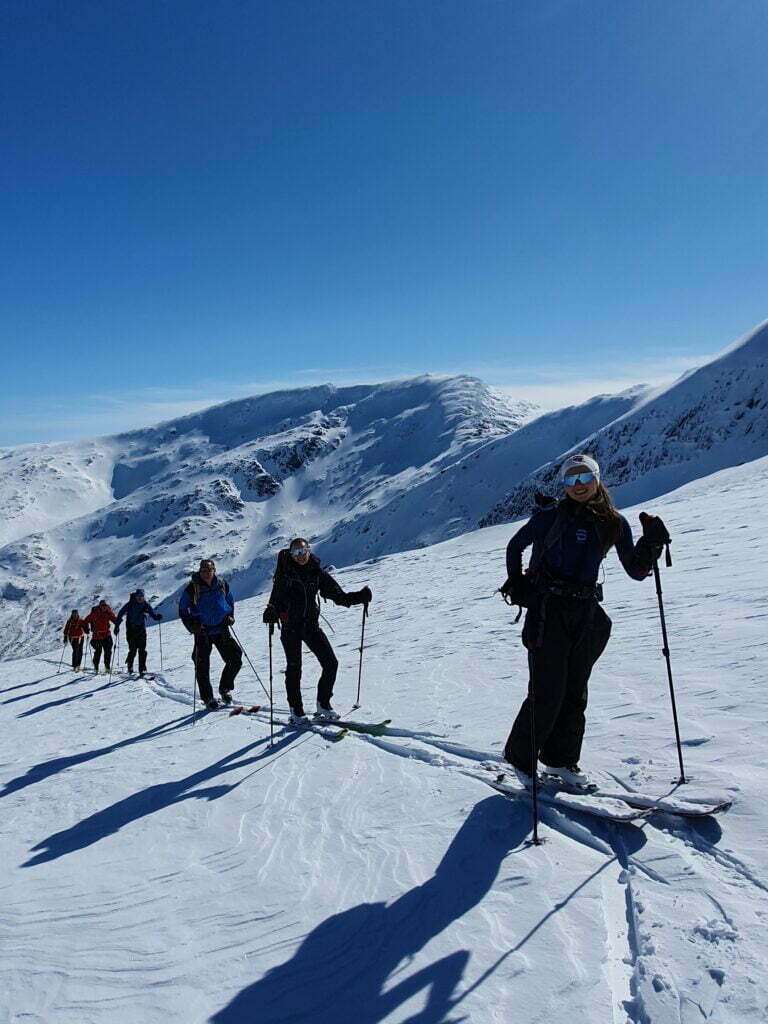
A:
551,538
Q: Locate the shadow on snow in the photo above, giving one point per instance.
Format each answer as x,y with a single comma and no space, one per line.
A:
152,799
343,969
44,770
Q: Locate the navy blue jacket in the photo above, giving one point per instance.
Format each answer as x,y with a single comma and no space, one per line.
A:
135,611
209,605
579,545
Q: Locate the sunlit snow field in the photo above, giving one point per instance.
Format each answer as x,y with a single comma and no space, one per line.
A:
156,871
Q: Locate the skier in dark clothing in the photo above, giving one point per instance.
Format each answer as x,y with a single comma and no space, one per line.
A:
565,629
299,582
98,620
207,609
74,634
135,612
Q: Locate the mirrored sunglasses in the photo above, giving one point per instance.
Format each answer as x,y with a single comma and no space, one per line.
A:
578,478
300,550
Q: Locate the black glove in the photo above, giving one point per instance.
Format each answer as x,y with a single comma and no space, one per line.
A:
654,530
158,617
270,616
230,620
519,590
365,596
195,626
117,628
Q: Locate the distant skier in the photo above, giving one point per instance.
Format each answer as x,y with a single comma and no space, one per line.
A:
74,634
207,609
299,582
135,612
565,629
99,619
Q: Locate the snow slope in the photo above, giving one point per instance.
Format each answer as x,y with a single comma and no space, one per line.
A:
157,871
711,418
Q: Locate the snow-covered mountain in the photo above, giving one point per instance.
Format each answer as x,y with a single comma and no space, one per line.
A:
165,873
362,471
357,470
713,417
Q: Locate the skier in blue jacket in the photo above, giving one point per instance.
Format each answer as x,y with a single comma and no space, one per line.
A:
207,609
565,629
135,612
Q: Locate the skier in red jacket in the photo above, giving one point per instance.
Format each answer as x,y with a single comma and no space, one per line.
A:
99,621
74,632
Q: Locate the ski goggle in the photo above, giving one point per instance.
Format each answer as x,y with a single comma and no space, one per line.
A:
300,550
578,478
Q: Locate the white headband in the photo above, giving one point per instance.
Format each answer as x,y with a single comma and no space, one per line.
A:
579,460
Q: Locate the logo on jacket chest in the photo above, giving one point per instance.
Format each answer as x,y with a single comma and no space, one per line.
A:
581,535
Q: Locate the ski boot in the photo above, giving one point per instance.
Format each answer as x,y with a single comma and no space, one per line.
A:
325,713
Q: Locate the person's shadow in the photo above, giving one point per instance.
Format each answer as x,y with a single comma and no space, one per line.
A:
344,968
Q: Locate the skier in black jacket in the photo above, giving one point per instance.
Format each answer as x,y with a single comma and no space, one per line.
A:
565,629
299,582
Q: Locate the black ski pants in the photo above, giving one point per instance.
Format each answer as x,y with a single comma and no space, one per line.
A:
565,637
292,638
201,656
137,644
77,651
102,644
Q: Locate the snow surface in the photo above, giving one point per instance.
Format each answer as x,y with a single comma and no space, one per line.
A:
158,871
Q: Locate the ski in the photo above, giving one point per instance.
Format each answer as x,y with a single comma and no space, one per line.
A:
588,803
324,729
686,800
684,806
370,728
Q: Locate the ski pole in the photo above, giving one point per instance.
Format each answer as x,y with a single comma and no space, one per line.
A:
237,641
61,659
271,629
534,760
360,665
115,654
665,652
194,685
160,634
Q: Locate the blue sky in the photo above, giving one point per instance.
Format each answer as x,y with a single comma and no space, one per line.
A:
201,199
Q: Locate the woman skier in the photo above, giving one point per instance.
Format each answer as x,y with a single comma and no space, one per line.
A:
74,633
299,582
565,629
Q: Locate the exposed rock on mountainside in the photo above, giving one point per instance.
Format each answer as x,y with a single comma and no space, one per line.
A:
232,482
712,418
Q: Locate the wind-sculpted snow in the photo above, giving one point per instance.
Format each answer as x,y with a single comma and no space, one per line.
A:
714,417
163,872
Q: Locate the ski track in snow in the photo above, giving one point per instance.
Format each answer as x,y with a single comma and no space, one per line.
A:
162,871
